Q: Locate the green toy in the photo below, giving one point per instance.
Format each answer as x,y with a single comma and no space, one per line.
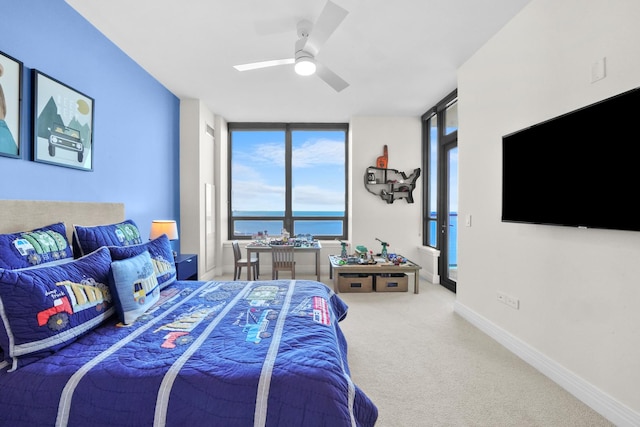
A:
384,248
343,253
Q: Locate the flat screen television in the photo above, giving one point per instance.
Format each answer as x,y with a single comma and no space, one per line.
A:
581,169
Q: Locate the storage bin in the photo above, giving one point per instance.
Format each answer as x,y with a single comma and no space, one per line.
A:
353,282
392,283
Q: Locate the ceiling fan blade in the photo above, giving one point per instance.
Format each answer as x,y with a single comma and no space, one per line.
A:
264,64
330,18
331,78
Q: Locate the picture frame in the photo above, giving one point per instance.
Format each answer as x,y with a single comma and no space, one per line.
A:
62,124
10,106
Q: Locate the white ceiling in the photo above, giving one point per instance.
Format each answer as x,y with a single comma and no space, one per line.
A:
399,57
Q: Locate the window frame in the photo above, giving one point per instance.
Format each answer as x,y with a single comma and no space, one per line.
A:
438,113
288,219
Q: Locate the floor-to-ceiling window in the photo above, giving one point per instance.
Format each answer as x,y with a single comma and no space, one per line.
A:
288,176
440,161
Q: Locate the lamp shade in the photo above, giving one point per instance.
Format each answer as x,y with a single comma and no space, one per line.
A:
163,226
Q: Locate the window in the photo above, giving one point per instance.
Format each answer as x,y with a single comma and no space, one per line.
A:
290,176
431,208
440,126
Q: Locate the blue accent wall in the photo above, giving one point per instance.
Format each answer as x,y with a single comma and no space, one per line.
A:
136,119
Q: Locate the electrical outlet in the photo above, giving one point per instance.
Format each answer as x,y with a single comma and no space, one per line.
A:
513,302
502,297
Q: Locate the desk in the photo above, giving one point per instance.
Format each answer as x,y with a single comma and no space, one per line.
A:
408,267
257,248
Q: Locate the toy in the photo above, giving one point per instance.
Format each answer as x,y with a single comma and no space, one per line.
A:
361,251
343,253
384,248
383,161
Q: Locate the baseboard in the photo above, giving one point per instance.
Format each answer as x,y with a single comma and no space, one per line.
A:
613,410
428,260
431,278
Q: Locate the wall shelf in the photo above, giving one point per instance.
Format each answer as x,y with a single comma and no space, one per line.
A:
391,184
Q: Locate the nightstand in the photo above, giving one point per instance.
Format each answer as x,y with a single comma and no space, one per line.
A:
187,267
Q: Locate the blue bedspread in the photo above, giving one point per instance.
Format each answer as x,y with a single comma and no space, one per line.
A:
265,353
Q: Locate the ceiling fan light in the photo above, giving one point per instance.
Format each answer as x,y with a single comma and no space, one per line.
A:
305,66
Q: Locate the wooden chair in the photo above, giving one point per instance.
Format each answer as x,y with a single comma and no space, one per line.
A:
243,262
282,256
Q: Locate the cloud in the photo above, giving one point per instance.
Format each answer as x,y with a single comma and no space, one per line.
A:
245,171
257,188
318,152
272,153
256,195
313,152
316,198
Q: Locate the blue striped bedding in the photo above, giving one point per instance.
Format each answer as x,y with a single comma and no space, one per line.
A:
266,353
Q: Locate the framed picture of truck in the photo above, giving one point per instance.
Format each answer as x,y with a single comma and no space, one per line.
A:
62,124
10,98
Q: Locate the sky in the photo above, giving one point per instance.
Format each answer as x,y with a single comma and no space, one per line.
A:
258,170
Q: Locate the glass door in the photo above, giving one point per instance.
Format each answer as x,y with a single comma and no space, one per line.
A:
448,194
440,193
449,218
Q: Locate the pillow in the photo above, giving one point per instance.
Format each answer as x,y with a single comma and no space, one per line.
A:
134,286
47,308
88,239
36,247
161,257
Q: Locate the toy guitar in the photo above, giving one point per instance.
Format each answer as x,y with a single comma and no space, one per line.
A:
383,160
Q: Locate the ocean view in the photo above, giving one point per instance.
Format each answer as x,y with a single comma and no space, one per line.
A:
323,228
249,227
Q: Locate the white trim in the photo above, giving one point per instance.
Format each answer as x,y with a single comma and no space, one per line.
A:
613,410
428,260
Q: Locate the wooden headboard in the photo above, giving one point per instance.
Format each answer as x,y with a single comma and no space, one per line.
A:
22,215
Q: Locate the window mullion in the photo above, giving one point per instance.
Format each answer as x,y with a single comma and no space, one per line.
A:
288,214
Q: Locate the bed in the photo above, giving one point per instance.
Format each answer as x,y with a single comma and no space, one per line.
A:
263,353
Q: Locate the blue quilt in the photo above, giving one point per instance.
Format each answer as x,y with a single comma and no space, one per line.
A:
266,353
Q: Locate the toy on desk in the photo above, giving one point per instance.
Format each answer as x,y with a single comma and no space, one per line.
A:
362,251
343,253
384,248
397,259
285,235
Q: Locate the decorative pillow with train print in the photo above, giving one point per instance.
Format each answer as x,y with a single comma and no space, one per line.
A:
161,257
134,286
46,245
88,239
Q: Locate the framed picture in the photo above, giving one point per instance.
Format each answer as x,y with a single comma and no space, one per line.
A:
10,103
62,124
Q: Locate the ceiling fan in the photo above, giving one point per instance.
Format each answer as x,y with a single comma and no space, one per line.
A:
310,40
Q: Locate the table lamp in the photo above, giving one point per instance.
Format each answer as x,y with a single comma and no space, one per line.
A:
165,226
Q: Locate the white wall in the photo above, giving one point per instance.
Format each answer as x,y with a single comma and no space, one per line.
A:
578,289
397,223
197,167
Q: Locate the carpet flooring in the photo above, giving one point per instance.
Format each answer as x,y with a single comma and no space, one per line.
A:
423,365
